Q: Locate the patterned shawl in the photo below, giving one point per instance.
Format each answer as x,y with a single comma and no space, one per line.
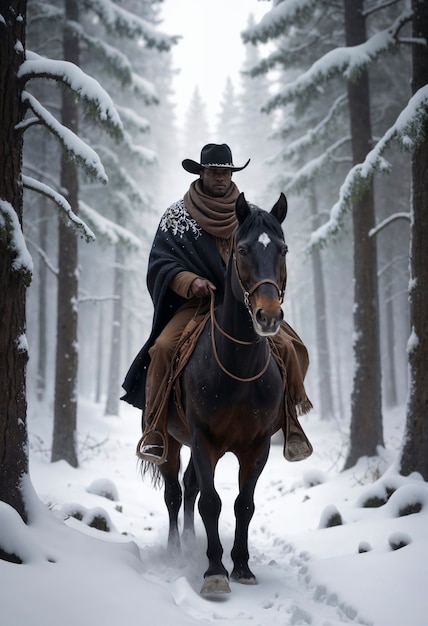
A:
185,241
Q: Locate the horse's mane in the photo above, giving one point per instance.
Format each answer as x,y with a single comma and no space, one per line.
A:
259,218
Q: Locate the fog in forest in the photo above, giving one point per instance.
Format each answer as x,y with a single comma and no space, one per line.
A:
299,144
101,101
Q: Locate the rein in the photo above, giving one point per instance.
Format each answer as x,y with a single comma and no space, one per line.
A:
215,324
249,292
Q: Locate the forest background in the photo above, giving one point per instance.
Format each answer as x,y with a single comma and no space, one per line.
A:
342,84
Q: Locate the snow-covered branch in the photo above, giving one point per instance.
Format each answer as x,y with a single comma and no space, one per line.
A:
314,134
121,180
45,11
107,230
86,87
308,172
145,89
72,144
27,123
133,120
384,223
120,21
12,235
85,299
41,173
66,211
117,62
280,17
380,7
43,256
408,131
283,56
348,61
144,156
412,41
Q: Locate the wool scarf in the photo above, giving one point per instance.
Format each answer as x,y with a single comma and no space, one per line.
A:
214,215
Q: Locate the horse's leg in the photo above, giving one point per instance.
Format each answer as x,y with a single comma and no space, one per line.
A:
251,466
172,491
191,490
216,576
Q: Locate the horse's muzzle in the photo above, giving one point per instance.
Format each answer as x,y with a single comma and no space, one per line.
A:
267,323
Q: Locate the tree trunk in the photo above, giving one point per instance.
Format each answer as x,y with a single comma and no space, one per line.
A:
325,393
112,406
366,404
390,368
14,279
414,455
42,305
66,392
100,344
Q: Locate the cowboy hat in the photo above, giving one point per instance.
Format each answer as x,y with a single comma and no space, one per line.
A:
213,155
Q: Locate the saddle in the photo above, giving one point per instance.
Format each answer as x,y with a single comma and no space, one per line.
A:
157,420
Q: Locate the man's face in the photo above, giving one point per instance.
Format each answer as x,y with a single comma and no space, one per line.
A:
216,181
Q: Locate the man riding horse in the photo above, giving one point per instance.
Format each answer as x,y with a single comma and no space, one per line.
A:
186,265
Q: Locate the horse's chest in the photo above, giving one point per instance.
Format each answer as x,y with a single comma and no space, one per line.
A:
252,402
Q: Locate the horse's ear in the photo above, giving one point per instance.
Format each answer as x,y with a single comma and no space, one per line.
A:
280,208
242,208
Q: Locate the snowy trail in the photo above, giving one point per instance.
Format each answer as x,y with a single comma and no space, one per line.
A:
307,574
285,594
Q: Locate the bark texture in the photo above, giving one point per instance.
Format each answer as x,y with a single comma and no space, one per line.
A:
366,401
414,455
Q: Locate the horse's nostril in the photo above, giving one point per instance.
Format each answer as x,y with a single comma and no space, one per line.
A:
261,317
268,321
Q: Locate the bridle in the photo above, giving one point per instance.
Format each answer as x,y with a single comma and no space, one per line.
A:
247,293
215,324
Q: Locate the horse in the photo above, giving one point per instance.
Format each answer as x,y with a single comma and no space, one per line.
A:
231,393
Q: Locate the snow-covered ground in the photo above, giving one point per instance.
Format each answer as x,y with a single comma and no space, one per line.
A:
307,573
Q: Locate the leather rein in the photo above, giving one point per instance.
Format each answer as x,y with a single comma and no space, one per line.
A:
214,324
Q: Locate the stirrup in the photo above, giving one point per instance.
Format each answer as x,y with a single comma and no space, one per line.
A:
152,452
297,448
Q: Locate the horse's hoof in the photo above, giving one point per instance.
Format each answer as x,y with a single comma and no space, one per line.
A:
244,580
215,585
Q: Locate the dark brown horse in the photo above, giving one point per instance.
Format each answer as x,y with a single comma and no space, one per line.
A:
231,392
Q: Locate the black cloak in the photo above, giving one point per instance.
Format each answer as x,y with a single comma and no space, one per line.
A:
180,244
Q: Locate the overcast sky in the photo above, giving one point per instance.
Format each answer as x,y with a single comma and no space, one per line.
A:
211,48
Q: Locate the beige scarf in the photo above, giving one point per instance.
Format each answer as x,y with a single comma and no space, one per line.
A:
215,215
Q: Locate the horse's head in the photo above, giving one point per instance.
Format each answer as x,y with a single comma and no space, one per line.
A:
260,269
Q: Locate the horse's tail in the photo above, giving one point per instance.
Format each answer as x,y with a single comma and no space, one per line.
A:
152,471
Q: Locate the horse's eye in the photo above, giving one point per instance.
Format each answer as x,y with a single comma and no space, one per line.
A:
284,250
242,251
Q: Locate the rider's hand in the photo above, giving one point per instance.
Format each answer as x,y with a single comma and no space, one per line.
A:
201,287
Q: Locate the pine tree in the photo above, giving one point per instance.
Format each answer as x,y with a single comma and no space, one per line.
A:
228,122
196,132
256,130
15,267
350,62
23,111
66,362
305,157
414,455
17,68
111,63
366,401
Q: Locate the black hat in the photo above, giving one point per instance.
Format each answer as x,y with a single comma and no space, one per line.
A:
213,155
